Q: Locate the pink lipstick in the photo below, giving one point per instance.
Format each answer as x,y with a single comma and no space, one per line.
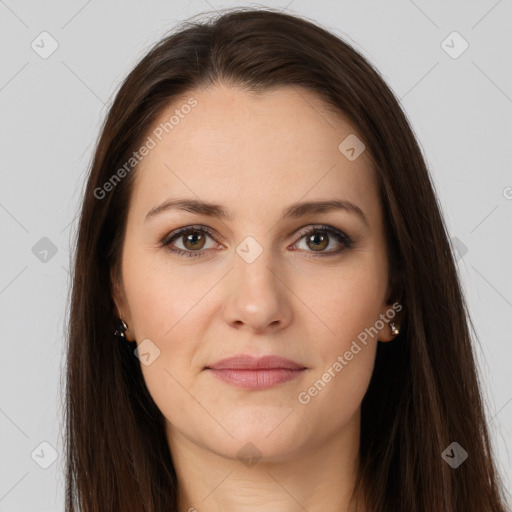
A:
255,373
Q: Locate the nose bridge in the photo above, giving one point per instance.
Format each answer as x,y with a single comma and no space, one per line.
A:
257,296
254,266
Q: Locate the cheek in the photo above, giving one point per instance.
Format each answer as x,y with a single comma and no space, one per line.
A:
161,295
345,305
167,305
348,305
341,302
332,395
165,314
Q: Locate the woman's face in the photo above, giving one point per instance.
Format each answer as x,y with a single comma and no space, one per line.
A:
255,282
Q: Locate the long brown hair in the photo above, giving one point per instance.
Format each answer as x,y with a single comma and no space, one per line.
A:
424,393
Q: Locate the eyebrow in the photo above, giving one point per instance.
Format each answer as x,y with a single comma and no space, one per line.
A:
294,211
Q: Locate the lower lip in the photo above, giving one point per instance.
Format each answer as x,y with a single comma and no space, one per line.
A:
256,379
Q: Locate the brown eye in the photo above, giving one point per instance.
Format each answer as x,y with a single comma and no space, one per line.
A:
317,241
319,238
188,241
195,240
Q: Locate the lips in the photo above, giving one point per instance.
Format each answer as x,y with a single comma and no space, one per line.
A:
256,373
245,362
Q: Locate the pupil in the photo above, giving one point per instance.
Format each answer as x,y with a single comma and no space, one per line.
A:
318,240
193,238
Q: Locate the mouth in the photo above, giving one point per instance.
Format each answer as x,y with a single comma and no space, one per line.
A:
256,379
256,373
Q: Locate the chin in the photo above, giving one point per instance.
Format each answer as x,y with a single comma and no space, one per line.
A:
252,449
271,437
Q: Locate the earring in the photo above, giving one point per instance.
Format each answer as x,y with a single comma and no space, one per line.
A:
121,330
394,329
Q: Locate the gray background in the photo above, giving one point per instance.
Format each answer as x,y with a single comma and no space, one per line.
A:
51,110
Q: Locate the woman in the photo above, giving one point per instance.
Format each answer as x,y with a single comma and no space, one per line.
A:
250,373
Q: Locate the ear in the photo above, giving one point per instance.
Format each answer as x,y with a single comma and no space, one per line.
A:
118,295
115,292
119,298
392,313
392,310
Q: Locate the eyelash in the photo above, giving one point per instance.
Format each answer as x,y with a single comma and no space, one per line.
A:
342,237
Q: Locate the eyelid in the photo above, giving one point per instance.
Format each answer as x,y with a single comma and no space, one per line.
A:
194,227
327,228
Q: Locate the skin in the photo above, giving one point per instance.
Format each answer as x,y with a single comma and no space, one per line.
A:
256,156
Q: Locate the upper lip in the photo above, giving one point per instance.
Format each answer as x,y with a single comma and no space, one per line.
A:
246,362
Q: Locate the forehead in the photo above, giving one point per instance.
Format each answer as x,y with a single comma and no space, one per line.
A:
253,151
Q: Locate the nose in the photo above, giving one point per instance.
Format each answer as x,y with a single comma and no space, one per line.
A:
258,297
